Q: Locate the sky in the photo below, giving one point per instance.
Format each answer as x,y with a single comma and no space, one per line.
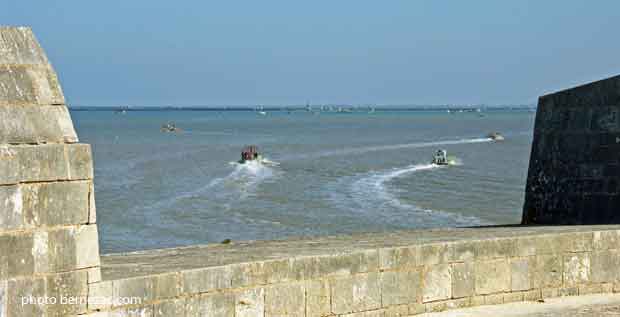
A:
395,52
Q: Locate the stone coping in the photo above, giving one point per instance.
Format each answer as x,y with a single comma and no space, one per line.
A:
161,261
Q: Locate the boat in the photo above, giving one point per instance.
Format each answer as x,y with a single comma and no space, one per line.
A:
495,136
249,154
170,127
441,158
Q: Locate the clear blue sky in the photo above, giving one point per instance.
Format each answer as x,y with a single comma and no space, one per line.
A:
139,52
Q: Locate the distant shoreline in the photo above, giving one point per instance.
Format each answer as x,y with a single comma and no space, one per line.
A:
334,109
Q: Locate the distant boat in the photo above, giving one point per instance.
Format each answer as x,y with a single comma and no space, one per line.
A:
262,113
169,127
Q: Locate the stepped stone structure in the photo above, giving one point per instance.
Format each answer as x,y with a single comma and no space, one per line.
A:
48,234
574,173
50,263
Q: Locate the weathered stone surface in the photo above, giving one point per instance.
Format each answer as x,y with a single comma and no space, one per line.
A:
169,308
70,290
604,266
317,298
435,254
18,45
547,271
73,248
166,286
140,287
492,277
605,240
250,303
207,279
4,300
24,85
56,203
29,289
576,269
285,301
437,283
100,295
20,257
11,208
520,274
573,173
355,293
403,257
463,277
51,162
400,287
36,124
87,246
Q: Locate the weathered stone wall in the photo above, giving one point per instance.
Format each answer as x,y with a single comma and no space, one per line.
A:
574,172
48,235
49,244
391,274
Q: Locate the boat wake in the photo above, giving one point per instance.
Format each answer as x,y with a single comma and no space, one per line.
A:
371,193
362,150
241,183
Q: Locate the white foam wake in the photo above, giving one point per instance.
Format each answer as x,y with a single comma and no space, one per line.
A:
370,192
361,150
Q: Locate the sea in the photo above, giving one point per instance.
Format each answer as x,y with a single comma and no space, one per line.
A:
334,173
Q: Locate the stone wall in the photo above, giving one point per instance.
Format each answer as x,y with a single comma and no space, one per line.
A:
383,274
50,263
574,172
48,235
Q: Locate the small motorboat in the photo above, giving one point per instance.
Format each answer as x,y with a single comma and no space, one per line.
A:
441,158
170,127
249,154
495,136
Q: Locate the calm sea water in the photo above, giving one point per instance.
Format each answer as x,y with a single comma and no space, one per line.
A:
338,173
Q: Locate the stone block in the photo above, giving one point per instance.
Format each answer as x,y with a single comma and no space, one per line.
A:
94,275
71,291
397,311
80,161
175,307
577,241
604,266
250,303
549,244
400,257
19,46
11,208
100,295
36,124
318,298
139,288
606,240
29,290
61,249
56,203
92,207
547,271
142,311
353,263
417,308
44,163
248,274
24,85
463,277
464,251
513,297
279,271
87,246
586,289
519,274
492,276
4,299
496,248
286,300
400,287
20,254
355,293
207,279
166,285
576,268
525,246
437,283
433,254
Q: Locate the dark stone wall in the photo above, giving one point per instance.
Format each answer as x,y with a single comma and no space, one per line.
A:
574,173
